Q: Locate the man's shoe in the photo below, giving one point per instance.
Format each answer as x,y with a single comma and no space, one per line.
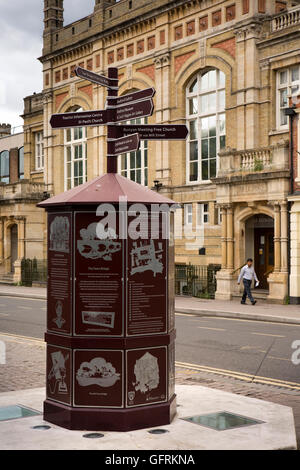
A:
253,303
243,303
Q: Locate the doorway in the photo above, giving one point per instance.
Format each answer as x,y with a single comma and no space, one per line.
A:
264,254
13,247
260,246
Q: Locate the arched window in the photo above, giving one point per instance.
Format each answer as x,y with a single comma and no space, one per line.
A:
206,120
75,155
21,163
4,167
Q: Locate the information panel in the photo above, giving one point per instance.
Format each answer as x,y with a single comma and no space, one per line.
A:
59,296
59,373
147,286
147,373
98,378
99,274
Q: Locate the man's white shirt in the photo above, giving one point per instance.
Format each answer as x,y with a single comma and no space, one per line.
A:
247,273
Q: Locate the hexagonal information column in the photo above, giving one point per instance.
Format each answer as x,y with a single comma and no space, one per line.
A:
110,323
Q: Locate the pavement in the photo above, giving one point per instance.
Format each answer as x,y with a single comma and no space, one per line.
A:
274,430
190,305
233,309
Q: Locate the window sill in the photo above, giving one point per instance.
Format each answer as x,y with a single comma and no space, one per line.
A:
279,131
37,172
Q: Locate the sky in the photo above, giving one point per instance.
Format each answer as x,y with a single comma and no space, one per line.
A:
21,26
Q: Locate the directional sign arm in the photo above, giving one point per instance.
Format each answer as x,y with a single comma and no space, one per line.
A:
155,132
84,119
112,83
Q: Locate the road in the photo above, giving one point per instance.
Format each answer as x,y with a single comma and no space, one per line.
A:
239,348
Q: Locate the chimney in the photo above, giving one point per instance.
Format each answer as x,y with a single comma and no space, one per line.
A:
5,130
53,15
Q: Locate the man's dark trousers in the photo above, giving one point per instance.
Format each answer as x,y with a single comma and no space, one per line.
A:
247,291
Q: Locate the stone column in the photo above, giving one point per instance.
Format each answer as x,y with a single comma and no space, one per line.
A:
224,237
21,237
277,238
284,236
230,240
2,238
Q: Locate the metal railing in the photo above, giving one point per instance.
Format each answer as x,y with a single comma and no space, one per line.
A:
33,271
196,281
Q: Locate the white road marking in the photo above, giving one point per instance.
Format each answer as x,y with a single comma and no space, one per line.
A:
214,329
266,334
25,308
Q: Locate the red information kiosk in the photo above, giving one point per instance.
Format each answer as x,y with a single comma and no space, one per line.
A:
110,323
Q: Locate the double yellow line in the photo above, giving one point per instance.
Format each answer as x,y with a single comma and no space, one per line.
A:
239,375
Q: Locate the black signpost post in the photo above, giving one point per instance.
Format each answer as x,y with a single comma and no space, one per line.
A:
110,309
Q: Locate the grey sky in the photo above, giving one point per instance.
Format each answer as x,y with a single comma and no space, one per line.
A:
21,26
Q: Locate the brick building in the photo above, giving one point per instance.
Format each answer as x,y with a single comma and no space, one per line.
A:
226,68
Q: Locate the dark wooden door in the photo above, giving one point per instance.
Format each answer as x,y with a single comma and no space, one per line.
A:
264,254
14,246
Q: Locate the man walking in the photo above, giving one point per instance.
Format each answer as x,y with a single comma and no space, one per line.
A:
247,274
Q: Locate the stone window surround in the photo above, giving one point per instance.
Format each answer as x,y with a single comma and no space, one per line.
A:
72,143
39,150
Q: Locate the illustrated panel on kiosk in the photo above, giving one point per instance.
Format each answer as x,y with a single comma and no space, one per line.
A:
59,273
99,273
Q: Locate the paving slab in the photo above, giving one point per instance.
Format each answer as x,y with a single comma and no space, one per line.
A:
277,430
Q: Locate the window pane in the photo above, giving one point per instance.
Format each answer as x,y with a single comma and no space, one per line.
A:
221,80
283,77
194,151
138,176
283,98
194,171
212,147
212,79
204,104
138,159
193,87
124,162
283,118
295,74
68,154
221,100
193,130
204,127
205,170
294,90
213,168
68,135
193,105
204,145
132,160
212,126
222,123
204,81
212,102
222,142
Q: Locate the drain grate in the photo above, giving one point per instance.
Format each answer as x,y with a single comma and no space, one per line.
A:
222,421
16,412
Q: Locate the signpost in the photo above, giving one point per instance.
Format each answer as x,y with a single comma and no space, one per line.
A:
110,320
